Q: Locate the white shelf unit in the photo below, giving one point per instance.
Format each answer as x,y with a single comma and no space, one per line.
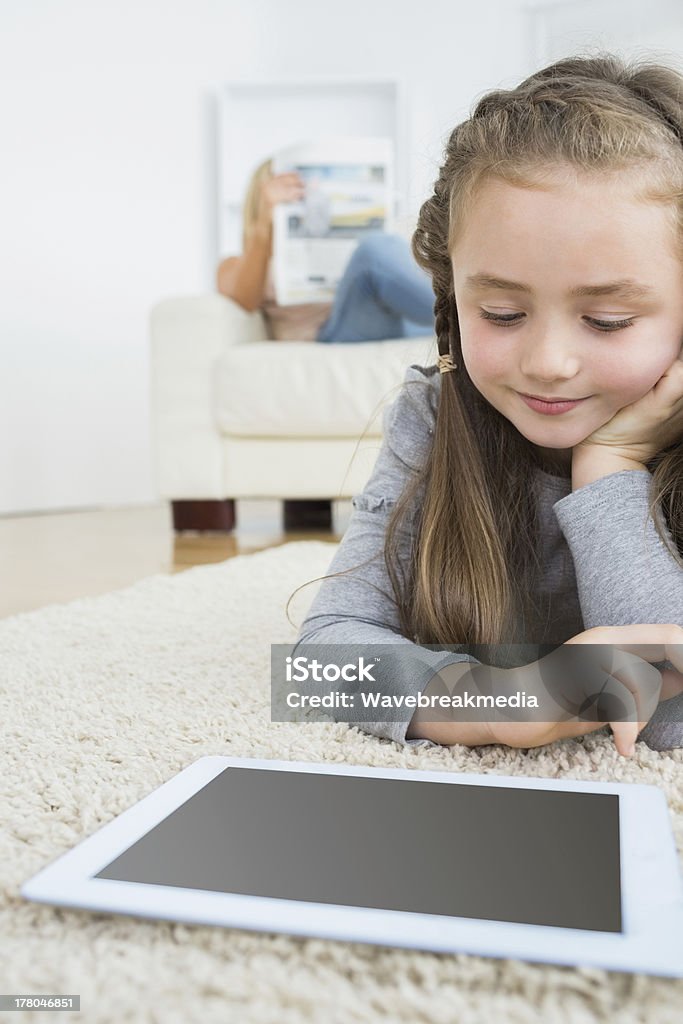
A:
256,118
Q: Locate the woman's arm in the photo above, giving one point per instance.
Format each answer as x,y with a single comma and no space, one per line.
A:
243,278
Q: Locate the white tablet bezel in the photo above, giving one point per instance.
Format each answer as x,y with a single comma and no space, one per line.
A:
652,891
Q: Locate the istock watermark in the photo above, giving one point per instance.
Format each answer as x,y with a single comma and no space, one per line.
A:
302,669
466,683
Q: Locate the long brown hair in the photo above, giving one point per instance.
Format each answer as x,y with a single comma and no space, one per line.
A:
252,197
469,578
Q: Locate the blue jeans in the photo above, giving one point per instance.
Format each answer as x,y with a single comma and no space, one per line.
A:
382,294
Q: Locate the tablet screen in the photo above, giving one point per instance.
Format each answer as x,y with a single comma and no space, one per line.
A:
529,856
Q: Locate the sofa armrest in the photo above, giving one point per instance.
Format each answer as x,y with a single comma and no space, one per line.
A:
204,317
187,336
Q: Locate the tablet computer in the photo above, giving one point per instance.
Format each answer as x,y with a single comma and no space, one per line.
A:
556,871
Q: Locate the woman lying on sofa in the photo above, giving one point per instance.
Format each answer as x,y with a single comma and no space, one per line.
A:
383,293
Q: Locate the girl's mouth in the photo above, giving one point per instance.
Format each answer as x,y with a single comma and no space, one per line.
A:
550,408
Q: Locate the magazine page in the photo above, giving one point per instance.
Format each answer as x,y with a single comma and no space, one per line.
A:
349,190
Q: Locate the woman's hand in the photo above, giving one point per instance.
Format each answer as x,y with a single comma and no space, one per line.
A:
279,188
639,430
622,655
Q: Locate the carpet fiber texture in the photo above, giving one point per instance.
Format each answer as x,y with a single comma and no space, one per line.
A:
104,699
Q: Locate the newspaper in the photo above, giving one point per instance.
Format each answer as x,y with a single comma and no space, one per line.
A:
349,193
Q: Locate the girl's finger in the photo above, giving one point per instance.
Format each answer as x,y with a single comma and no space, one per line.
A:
625,736
626,695
642,680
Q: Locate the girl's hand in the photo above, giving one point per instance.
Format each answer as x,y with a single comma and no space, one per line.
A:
640,430
280,188
648,642
623,652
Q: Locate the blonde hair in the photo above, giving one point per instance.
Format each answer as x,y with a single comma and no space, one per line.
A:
251,199
471,510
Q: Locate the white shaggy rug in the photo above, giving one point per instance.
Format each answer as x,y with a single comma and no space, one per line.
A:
104,699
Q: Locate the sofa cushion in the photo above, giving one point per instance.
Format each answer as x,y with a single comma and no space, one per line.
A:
308,389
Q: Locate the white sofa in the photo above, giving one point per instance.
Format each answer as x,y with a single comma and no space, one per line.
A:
236,415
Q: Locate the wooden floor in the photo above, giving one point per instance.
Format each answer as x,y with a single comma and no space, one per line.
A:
55,557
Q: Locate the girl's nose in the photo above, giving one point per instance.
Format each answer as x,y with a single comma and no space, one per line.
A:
548,358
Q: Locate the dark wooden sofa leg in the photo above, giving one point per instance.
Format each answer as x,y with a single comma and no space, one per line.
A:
204,515
315,514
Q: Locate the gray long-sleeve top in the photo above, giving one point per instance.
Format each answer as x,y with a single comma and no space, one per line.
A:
603,563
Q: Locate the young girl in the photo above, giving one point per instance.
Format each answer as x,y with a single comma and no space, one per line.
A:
529,486
382,294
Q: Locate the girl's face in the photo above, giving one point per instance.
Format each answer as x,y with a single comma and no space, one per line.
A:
573,292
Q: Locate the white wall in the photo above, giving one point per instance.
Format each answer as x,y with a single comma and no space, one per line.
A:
106,197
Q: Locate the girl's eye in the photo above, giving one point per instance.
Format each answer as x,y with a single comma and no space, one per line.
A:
514,318
501,321
611,325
